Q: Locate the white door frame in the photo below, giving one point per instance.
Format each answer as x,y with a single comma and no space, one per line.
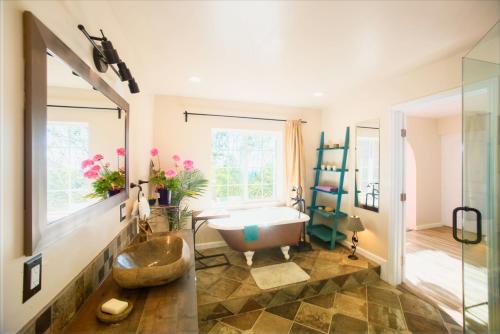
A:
397,230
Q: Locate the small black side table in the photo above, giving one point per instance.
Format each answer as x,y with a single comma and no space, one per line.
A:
203,217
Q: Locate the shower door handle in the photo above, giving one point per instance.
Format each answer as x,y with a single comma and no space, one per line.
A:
479,219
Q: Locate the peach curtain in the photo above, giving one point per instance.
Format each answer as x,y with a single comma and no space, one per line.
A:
294,157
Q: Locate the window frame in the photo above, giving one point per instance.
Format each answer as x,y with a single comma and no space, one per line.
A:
279,173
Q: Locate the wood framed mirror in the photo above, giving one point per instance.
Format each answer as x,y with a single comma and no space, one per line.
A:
76,139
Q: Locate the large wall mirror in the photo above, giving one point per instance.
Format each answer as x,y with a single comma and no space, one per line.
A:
76,139
367,181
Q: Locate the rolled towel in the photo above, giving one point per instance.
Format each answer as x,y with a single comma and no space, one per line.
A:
114,306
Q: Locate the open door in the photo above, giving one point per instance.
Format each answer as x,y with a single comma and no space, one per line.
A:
478,229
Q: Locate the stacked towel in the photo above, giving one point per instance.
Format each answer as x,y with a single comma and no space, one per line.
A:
328,188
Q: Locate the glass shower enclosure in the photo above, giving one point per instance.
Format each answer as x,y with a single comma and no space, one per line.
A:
479,227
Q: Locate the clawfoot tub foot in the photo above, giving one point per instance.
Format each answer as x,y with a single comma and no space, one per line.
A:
249,256
285,250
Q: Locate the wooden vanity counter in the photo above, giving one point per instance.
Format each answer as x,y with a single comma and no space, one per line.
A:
170,308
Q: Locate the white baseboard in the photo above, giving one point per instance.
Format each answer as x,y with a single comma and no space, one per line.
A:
370,256
427,226
212,244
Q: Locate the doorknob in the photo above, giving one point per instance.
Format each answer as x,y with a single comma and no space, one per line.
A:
479,234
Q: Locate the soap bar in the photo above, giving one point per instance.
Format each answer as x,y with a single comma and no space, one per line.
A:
114,306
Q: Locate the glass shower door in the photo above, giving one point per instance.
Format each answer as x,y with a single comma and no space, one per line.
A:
479,229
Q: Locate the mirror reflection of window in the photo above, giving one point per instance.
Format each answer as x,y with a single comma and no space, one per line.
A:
367,165
82,124
67,146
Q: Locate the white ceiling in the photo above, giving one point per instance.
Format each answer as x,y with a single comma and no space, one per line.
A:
282,52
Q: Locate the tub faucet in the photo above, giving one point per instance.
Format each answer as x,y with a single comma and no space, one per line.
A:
298,199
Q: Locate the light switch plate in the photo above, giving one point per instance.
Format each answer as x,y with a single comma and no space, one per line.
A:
123,213
32,281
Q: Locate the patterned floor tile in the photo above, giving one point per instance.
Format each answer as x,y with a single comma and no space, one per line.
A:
244,321
299,329
386,316
412,304
383,297
250,305
204,279
245,290
221,328
345,324
287,311
236,273
206,326
314,316
212,311
270,323
418,324
224,287
204,298
235,305
328,287
351,306
377,329
325,301
358,292
264,298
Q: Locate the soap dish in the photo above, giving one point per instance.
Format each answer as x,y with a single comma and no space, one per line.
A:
113,318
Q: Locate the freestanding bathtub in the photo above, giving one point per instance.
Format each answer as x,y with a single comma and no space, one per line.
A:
277,226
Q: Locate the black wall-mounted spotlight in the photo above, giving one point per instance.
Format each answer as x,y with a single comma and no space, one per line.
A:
105,55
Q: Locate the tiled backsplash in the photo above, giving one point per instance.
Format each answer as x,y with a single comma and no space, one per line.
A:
61,310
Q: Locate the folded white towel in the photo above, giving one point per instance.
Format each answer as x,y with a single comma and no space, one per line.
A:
114,306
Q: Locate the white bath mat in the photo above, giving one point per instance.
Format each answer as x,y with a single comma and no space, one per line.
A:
276,275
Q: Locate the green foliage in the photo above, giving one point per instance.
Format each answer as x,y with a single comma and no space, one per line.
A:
109,180
160,180
191,184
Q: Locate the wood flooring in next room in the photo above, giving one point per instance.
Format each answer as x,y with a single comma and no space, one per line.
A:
433,268
342,296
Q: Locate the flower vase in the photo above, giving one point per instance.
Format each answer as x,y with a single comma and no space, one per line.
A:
113,192
165,196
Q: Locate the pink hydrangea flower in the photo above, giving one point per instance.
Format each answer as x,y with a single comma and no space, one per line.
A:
98,157
170,173
154,152
87,162
120,151
91,174
107,164
96,168
176,157
188,164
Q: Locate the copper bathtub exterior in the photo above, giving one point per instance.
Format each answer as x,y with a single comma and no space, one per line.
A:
268,237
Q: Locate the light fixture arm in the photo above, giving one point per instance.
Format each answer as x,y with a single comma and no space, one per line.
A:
91,40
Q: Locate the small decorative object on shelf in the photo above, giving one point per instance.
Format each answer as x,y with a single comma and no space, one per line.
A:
335,145
151,200
108,182
354,225
323,166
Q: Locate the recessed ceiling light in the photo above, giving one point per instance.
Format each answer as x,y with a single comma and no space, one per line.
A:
195,79
318,94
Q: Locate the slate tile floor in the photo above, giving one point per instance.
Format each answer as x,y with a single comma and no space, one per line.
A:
342,296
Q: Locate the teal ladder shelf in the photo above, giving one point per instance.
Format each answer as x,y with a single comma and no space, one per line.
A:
328,234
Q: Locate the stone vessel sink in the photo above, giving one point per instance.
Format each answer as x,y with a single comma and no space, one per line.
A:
158,261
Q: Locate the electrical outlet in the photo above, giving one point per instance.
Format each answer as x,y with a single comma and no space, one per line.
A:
32,282
123,213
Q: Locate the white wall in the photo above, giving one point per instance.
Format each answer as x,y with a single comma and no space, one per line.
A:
450,130
424,138
64,259
375,100
193,139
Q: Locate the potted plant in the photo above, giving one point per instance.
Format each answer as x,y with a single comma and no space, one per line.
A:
165,181
183,181
151,200
107,182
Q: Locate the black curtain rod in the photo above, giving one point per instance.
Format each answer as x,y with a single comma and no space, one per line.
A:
367,127
186,114
81,107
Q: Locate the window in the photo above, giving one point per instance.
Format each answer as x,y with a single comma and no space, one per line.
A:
247,165
67,146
